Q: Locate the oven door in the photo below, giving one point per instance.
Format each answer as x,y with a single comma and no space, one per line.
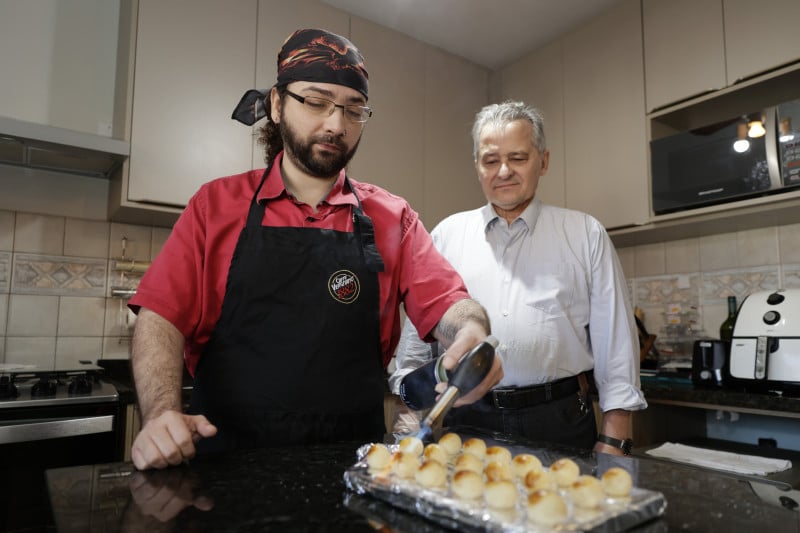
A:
34,439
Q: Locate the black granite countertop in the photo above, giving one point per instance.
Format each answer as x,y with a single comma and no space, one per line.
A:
302,489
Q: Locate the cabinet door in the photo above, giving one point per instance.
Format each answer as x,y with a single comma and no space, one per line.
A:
194,60
537,80
684,49
277,19
604,117
392,146
760,36
455,90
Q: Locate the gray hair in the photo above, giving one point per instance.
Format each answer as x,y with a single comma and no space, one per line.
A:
500,115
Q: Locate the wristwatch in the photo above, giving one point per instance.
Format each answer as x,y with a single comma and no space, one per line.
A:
624,445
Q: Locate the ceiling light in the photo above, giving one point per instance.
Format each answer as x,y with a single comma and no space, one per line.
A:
742,144
756,129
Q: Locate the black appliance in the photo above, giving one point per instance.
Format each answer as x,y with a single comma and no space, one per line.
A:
51,418
727,161
709,360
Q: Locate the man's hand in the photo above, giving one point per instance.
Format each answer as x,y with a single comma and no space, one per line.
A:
169,439
465,340
164,494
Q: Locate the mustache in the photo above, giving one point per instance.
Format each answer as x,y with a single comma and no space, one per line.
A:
331,139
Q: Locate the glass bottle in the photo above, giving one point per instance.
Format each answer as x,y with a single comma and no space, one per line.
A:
726,328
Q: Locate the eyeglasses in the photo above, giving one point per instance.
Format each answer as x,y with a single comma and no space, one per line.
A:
324,107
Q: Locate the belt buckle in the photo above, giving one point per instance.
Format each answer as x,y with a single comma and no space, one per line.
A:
496,394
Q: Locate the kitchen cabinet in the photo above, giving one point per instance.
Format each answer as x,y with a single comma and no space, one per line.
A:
684,49
604,118
185,75
760,36
537,80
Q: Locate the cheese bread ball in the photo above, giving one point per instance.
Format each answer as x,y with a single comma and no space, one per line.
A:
524,463
467,461
431,474
411,445
546,507
617,482
467,484
586,492
451,443
497,471
500,494
434,452
378,457
565,472
499,454
404,464
476,447
539,480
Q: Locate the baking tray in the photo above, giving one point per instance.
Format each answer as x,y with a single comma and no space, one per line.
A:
444,509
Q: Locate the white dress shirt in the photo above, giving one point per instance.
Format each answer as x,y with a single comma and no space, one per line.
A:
556,297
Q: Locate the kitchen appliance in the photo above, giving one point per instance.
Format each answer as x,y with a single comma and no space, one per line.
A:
765,350
728,160
51,418
709,361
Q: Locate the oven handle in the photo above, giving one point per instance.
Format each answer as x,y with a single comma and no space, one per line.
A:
56,429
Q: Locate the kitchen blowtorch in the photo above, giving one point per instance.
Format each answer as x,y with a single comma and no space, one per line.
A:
471,370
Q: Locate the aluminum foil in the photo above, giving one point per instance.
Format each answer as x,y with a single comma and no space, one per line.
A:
443,508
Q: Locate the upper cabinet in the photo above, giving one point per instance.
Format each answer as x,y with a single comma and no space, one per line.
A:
760,36
604,118
698,46
684,49
524,81
189,74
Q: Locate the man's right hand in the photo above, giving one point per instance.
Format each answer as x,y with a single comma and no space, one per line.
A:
169,439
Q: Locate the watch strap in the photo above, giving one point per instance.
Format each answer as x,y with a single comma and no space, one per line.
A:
623,444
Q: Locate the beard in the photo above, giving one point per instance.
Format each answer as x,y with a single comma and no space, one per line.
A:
324,165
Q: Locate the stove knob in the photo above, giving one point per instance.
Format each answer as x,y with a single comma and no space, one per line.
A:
44,387
79,385
771,317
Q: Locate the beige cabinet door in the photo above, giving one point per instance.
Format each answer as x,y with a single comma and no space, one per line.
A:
392,146
684,49
277,19
760,36
190,72
537,80
604,118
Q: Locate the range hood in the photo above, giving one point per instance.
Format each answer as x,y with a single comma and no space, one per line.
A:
38,146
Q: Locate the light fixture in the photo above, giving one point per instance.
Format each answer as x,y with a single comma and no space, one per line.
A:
741,145
756,129
785,127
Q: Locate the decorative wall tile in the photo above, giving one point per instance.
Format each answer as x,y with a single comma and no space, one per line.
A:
122,279
5,271
58,275
791,276
717,286
661,291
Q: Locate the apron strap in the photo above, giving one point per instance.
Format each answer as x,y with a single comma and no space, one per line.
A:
366,231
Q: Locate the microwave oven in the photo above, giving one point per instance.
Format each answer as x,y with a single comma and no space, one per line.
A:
726,161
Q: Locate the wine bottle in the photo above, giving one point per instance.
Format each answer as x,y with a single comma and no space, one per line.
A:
726,329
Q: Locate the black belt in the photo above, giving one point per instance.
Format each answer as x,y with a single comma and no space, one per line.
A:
520,397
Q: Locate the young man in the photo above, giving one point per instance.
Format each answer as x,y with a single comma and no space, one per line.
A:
555,292
282,286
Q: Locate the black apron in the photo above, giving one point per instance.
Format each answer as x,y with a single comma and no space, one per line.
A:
295,357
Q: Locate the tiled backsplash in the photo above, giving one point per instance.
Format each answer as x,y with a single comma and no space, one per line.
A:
56,276
701,273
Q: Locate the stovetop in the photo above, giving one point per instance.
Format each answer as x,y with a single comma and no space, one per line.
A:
29,386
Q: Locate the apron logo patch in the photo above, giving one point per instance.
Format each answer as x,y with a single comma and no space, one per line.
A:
344,286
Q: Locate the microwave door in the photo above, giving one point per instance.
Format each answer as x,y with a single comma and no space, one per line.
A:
788,119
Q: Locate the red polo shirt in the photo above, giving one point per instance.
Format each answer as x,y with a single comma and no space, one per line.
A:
186,282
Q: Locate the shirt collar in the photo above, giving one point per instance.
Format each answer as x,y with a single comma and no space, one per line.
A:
528,216
274,188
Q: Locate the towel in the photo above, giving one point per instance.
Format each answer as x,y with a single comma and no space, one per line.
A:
717,460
